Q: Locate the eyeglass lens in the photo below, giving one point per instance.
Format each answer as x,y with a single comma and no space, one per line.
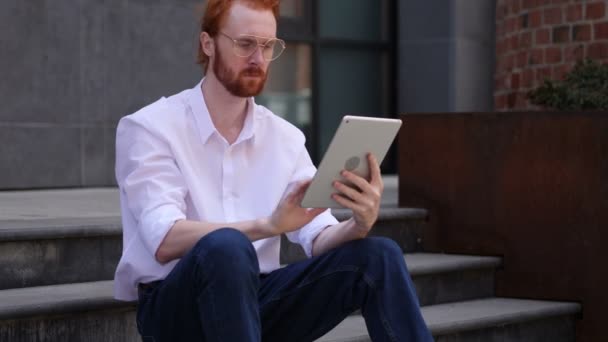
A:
246,46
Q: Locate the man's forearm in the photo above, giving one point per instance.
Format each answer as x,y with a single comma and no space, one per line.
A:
184,234
334,236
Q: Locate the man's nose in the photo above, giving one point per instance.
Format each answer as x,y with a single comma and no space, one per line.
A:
257,57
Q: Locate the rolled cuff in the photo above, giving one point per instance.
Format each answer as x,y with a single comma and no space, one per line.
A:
155,225
306,235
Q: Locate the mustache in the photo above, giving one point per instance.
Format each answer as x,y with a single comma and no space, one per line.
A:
252,71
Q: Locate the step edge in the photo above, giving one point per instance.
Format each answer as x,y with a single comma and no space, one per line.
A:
60,232
556,310
561,309
88,299
389,214
474,263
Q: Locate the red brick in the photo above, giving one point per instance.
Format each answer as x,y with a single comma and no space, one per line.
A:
542,74
553,55
574,12
525,40
536,57
510,62
521,59
600,30
511,25
516,6
500,102
515,80
559,71
552,16
503,81
558,2
535,19
501,65
514,43
527,4
561,34
501,11
574,53
542,36
521,101
597,50
595,10
527,79
581,33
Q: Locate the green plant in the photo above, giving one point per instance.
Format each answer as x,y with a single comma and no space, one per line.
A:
584,87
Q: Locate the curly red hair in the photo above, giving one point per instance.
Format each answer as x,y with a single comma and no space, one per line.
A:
216,12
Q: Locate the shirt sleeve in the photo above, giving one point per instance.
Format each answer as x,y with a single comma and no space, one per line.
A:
150,180
305,236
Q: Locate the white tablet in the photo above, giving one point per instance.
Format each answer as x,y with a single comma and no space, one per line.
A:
355,138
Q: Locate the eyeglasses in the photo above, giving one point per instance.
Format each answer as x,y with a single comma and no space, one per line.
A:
246,45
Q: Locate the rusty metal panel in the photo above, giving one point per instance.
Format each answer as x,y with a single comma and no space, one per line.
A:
529,186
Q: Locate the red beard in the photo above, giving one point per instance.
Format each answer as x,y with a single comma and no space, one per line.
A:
249,82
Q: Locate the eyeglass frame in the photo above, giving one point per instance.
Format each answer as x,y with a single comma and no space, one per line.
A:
259,45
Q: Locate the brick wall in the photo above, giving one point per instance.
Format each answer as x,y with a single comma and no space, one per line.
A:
538,39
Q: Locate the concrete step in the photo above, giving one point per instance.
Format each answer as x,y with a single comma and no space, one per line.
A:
58,250
491,319
81,248
67,312
87,312
444,278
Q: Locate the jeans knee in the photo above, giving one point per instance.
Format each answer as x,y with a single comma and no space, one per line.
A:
229,248
377,250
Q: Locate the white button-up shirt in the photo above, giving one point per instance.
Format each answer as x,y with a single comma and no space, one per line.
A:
172,164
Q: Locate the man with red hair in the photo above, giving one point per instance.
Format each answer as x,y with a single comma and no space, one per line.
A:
209,181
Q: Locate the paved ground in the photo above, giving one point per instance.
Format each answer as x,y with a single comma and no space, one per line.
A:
94,203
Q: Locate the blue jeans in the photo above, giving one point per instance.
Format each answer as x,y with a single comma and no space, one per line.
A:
216,293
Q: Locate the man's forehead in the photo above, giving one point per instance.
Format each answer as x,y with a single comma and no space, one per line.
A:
242,19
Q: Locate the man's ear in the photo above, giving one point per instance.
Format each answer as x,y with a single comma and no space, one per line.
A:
207,44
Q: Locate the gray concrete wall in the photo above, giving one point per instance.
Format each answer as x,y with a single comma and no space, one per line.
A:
70,69
445,55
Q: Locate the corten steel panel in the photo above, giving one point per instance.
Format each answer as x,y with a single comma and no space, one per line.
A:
532,187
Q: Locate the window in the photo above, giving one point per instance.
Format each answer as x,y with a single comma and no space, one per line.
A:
339,60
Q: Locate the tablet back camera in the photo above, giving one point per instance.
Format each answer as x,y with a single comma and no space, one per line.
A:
352,163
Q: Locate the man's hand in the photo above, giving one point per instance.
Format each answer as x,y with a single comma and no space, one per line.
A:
289,215
364,201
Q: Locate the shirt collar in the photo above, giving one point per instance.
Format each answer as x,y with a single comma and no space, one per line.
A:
203,118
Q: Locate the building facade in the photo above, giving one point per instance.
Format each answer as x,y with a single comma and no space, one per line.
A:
71,70
543,39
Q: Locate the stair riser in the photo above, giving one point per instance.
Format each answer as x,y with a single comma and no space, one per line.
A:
97,326
454,286
555,329
120,326
58,261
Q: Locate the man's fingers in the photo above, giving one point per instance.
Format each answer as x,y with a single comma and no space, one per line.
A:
348,191
345,202
357,180
374,168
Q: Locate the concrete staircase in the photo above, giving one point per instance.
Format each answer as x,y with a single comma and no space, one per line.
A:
58,250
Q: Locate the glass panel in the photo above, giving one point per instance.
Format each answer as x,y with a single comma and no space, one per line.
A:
352,82
288,89
354,19
292,8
